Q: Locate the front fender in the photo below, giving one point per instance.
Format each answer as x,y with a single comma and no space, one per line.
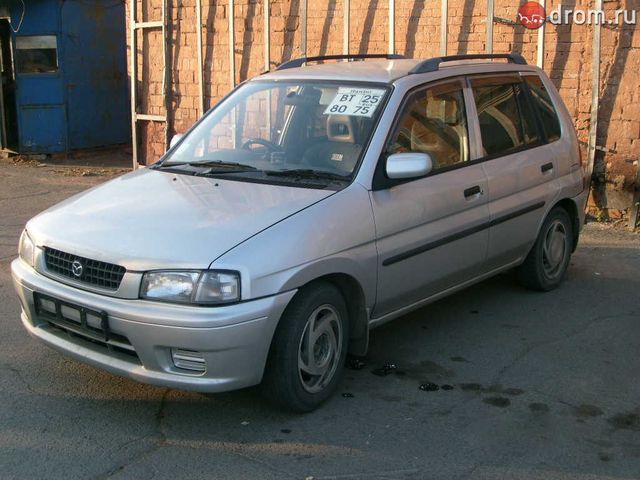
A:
335,235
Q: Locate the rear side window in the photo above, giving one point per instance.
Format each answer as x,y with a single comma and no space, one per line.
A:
505,117
434,122
543,104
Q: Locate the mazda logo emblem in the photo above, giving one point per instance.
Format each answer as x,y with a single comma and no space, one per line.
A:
76,268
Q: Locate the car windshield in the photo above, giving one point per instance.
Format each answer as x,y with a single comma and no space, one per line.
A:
275,130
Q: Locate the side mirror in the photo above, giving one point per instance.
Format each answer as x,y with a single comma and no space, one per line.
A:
408,165
175,139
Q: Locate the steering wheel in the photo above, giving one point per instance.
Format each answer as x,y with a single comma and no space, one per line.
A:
271,146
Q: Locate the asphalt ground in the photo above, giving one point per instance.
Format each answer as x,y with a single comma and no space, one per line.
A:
495,382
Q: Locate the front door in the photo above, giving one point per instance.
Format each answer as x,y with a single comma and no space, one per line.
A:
431,232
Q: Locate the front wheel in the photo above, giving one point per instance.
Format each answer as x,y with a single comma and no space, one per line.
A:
308,351
547,262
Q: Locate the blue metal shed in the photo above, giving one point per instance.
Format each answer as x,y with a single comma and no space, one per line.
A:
64,75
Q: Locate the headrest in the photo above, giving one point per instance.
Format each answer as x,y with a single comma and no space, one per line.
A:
340,128
443,109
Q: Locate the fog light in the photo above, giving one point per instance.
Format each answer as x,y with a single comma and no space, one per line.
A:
188,360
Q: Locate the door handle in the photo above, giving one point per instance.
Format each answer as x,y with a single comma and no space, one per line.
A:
546,167
471,191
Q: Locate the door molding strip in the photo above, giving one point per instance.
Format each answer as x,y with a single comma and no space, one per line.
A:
461,234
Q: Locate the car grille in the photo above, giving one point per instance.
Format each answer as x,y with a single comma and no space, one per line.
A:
93,272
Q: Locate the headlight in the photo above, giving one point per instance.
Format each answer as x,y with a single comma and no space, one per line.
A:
26,249
198,286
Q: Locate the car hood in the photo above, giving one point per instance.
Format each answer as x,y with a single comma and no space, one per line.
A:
151,219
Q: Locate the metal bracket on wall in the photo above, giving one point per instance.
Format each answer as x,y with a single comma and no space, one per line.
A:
505,21
598,148
136,117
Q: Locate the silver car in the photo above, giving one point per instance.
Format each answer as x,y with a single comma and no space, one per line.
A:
311,205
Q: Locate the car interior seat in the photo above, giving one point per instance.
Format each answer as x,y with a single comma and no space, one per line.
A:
341,150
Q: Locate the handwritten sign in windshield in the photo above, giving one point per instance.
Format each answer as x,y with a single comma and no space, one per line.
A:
355,102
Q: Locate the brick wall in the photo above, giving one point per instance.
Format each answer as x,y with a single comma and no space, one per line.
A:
567,61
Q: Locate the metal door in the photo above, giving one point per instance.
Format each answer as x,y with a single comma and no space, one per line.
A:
40,94
95,70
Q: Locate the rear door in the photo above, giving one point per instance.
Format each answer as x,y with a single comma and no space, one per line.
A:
431,231
519,163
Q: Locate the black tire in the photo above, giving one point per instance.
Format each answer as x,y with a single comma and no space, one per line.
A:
544,268
284,383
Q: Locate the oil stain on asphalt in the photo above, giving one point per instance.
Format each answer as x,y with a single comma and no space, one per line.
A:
432,370
386,369
429,387
626,421
537,407
459,359
497,401
585,411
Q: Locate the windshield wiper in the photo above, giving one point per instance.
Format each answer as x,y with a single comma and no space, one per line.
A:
242,167
307,173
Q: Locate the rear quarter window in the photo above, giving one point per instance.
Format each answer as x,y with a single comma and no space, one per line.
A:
542,103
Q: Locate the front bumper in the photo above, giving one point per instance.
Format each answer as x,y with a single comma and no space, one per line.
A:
234,340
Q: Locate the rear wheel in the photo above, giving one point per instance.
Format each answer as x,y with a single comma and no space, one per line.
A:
547,262
308,351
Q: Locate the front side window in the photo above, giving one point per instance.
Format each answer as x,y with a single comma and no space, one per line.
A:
36,54
434,122
544,106
506,121
268,130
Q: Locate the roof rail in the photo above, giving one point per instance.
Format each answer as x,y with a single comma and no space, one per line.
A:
433,64
298,62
